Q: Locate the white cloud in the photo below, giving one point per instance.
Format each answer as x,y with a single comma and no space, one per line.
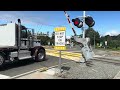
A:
112,33
68,37
26,18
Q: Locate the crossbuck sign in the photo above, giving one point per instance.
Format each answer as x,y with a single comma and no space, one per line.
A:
60,37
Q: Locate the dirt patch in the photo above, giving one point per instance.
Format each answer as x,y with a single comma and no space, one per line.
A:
107,52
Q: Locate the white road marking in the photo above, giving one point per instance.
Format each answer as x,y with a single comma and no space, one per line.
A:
4,76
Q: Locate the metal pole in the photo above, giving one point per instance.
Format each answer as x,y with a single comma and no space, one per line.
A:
19,36
59,65
33,35
70,42
83,24
94,40
19,33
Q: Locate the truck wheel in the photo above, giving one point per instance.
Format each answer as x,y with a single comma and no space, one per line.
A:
40,55
1,60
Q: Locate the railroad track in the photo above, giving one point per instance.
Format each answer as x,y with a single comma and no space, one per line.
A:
107,60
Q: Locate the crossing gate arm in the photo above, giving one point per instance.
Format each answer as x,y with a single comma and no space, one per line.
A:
68,18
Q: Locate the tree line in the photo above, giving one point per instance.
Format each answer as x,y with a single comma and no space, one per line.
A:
112,41
95,38
45,38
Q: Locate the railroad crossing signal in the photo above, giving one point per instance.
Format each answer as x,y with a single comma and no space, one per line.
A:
77,22
88,20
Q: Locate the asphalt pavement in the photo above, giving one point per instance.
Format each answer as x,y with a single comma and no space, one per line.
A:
23,66
16,68
73,70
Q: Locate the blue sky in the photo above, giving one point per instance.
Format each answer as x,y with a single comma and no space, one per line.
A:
107,22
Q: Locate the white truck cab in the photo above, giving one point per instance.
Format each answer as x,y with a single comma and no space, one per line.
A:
18,43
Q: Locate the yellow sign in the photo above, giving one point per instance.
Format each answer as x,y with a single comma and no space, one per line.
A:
60,47
57,29
60,38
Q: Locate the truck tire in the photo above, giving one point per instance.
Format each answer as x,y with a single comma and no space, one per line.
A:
2,60
41,55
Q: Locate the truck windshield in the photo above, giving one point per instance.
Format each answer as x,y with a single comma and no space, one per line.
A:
25,32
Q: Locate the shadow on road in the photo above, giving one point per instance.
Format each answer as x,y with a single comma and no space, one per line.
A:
65,68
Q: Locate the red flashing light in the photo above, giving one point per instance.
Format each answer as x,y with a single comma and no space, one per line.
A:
76,22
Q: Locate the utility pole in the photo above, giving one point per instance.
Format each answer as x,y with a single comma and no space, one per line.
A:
94,40
83,28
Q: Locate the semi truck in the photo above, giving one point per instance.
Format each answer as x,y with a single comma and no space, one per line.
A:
18,43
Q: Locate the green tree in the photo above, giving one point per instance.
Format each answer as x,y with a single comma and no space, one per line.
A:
47,33
53,35
118,37
113,41
92,34
114,44
44,39
52,41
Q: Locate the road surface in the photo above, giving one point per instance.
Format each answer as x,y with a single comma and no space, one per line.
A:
16,68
